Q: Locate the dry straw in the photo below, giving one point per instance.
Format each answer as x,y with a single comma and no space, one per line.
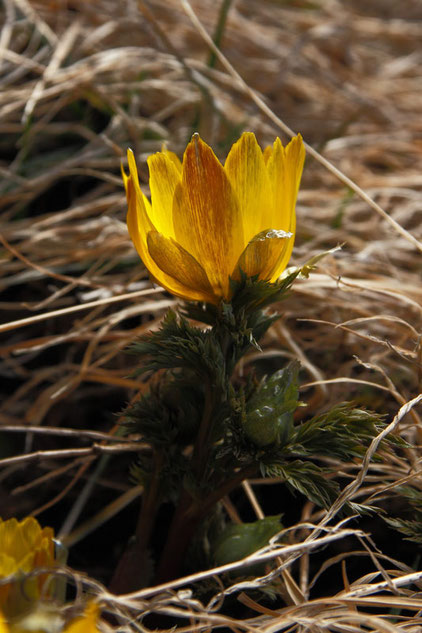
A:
79,82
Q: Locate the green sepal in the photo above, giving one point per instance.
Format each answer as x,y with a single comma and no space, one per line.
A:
269,412
241,322
177,344
251,293
169,414
238,541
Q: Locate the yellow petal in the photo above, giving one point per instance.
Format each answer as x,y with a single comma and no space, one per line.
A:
181,266
294,161
125,178
24,546
164,176
133,170
263,254
87,622
3,624
248,175
285,166
8,565
206,215
45,554
175,159
138,222
31,530
18,538
267,153
138,217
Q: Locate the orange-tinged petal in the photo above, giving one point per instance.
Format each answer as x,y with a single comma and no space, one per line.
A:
164,176
248,175
206,215
262,255
174,260
139,225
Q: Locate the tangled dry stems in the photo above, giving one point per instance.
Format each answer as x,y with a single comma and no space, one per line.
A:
80,82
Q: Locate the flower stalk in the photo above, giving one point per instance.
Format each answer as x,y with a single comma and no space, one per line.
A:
220,237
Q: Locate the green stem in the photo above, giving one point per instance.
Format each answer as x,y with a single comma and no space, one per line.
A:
132,570
188,515
201,447
185,519
182,529
219,30
229,485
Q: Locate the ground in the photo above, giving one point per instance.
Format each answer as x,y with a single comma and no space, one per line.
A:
82,81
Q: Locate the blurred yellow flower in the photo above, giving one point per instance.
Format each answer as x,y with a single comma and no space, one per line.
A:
87,622
44,619
24,547
207,222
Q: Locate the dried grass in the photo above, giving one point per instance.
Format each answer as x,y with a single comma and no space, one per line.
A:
79,82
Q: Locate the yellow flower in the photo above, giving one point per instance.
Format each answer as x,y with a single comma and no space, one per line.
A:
46,619
87,622
24,547
207,222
